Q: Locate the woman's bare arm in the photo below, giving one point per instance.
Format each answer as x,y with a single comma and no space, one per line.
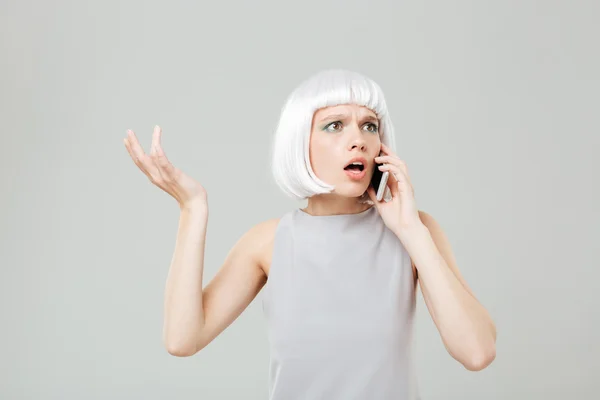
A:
237,282
183,308
193,317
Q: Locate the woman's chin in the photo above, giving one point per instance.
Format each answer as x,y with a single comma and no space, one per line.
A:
350,192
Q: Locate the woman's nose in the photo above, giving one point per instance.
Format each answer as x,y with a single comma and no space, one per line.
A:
357,140
358,143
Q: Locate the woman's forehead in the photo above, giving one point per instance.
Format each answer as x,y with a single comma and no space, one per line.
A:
344,109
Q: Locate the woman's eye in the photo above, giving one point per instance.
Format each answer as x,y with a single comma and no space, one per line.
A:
328,127
372,127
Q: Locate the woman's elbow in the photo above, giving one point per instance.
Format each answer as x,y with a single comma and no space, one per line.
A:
481,359
180,348
178,351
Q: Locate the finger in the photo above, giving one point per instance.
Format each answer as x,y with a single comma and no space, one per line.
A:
161,175
137,154
401,177
129,146
392,183
137,149
387,151
160,153
388,159
136,162
167,170
155,139
397,162
404,169
397,175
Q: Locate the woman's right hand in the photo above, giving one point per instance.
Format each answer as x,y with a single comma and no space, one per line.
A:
188,192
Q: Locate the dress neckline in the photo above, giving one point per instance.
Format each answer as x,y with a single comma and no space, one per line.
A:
335,216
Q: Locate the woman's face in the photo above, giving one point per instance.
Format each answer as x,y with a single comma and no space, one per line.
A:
338,135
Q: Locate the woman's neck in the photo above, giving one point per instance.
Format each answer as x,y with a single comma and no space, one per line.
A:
320,205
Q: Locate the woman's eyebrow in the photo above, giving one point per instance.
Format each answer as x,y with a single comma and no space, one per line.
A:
334,116
343,116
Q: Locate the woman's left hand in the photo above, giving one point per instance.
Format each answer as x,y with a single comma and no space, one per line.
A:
400,213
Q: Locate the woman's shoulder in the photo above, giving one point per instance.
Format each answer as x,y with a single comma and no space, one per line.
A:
262,237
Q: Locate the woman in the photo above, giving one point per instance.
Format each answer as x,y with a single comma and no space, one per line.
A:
340,275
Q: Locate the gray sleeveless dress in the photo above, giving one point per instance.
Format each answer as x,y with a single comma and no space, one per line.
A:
339,305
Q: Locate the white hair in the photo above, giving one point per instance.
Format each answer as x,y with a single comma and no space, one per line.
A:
290,161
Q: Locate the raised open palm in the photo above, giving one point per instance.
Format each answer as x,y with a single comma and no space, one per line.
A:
187,191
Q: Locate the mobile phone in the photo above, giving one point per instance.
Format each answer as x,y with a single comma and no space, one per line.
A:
379,181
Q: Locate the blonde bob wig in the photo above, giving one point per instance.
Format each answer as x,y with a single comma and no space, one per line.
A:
290,161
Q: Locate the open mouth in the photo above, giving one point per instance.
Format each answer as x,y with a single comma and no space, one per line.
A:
355,167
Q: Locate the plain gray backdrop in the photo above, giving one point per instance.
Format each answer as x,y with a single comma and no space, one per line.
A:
496,108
